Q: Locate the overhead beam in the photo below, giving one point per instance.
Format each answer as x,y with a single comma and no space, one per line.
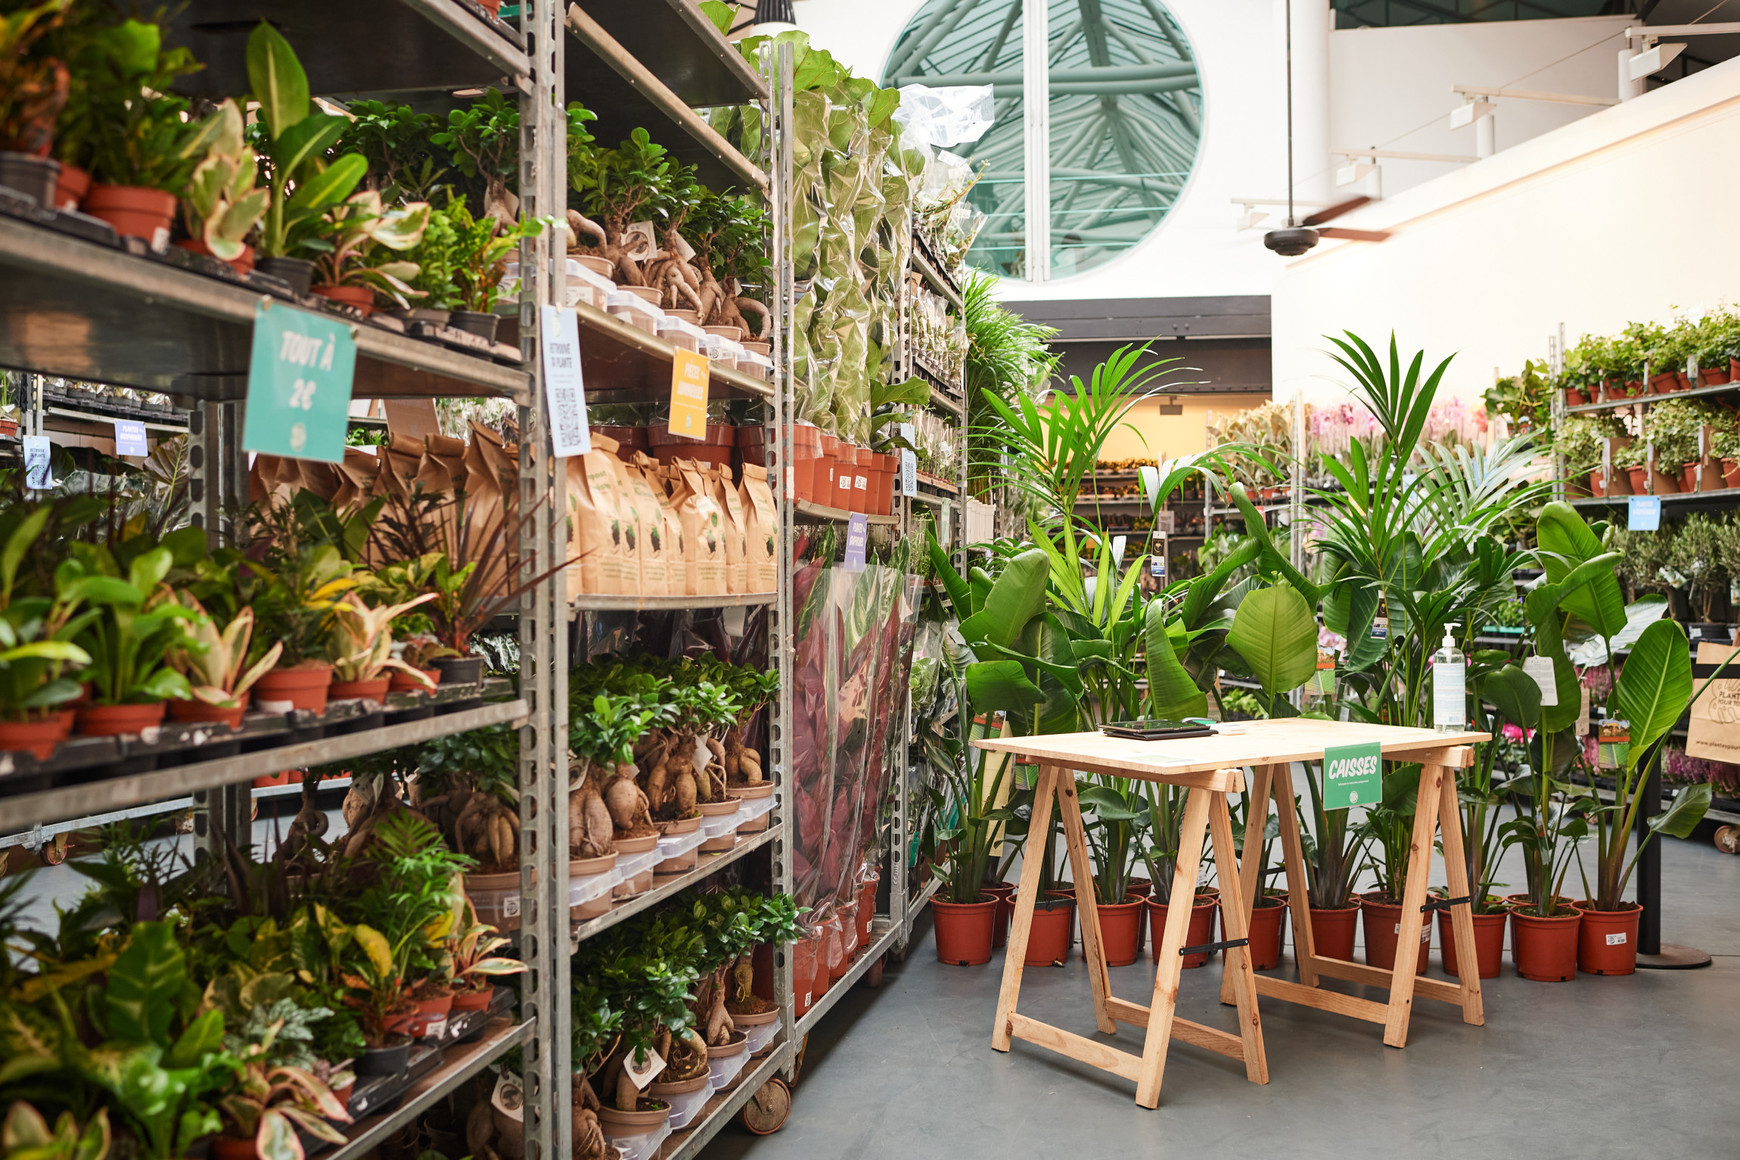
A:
1129,72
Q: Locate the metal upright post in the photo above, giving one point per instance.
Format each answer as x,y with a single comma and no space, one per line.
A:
1652,953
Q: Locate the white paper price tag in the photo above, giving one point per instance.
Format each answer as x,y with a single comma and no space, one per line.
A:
508,1097
647,1070
37,476
564,387
1541,670
908,472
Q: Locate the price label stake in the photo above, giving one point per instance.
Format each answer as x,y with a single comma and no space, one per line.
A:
689,381
37,476
299,382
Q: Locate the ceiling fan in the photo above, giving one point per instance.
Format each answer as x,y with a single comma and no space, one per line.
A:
1297,237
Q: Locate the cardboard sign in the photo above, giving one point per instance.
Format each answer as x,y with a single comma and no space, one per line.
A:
1353,775
564,386
1714,729
689,381
130,438
37,475
1643,513
299,382
857,540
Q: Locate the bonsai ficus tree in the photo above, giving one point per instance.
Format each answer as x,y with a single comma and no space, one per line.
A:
468,786
601,737
774,922
617,187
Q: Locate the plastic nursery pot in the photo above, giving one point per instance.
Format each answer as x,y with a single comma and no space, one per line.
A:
1268,918
197,712
1639,477
242,265
1004,893
34,176
1049,937
360,297
403,682
636,1123
1121,930
388,1059
38,738
1574,397
493,7
496,898
1488,943
476,322
232,1148
867,907
375,690
845,475
474,1000
1665,382
1733,363
1383,924
1200,930
1545,949
460,670
848,936
134,211
1607,939
803,969
429,1014
719,809
304,687
682,862
70,187
1332,931
1714,376
114,720
964,929
297,272
829,954
586,868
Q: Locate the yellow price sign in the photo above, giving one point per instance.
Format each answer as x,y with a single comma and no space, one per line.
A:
689,380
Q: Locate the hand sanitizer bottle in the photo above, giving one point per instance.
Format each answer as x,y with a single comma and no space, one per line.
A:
1449,685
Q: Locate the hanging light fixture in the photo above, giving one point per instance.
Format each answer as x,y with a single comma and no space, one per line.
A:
773,17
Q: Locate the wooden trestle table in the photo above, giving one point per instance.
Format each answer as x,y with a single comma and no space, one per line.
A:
1210,768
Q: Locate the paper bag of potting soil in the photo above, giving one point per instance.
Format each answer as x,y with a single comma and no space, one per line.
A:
762,529
656,548
703,533
733,530
595,524
356,479
491,474
659,481
1714,732
628,512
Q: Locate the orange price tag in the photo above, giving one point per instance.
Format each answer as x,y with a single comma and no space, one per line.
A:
689,381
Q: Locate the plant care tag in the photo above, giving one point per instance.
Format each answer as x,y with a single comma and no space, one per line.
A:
564,385
509,1097
299,382
1643,513
1157,560
37,474
1616,939
1583,714
130,438
640,240
647,1069
947,532
1541,670
1352,775
857,539
1380,628
908,472
689,379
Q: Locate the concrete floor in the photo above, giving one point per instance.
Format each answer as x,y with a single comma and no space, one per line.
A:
1598,1067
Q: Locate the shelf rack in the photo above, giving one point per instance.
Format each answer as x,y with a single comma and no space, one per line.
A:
625,363
1646,400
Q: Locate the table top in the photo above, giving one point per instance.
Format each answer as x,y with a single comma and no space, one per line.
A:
1261,743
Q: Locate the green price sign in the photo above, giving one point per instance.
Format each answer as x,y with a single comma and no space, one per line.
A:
299,382
1353,775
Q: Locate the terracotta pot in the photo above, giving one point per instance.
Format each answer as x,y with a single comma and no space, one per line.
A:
115,720
1664,383
1689,477
360,297
242,265
1488,943
1200,930
422,1021
231,1148
1733,363
1596,485
1714,376
474,1000
1574,397
1684,380
375,690
1383,922
1607,939
1731,473
493,7
198,711
1544,949
963,930
134,211
1049,938
38,738
1332,931
303,688
1268,918
70,187
617,1123
1121,931
803,969
867,907
402,682
1639,477
1004,893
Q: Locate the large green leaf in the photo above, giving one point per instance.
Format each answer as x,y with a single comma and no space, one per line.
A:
308,138
1276,635
1171,692
1567,541
1016,597
1000,686
1655,686
331,185
1514,694
143,984
276,78
1684,813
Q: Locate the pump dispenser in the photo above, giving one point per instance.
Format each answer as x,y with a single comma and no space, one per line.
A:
1449,685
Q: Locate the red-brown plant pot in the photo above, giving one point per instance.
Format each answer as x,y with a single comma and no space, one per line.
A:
423,1020
1199,931
1714,376
1121,931
303,688
1383,921
1730,473
1268,919
375,690
194,711
1544,949
233,1148
1639,477
1049,938
1597,485
134,211
1488,943
38,738
474,1000
403,682
70,187
115,720
1664,383
1004,893
867,907
845,473
242,265
1332,931
803,969
1733,363
1574,397
1607,939
361,297
963,930
1689,477
493,7
1683,379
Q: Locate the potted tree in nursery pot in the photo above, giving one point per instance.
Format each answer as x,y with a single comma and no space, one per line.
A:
467,785
1113,837
1165,818
1390,825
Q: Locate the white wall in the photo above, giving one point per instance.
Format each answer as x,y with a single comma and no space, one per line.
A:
1624,214
1390,87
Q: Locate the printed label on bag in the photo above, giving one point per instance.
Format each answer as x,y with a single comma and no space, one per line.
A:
1616,939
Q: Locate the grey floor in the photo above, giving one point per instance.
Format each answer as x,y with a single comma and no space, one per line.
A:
1643,1065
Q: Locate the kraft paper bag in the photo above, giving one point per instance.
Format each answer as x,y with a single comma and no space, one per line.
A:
762,529
1714,729
733,530
659,481
629,516
703,532
656,551
596,529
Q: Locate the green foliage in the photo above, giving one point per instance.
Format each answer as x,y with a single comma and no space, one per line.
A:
136,130
405,162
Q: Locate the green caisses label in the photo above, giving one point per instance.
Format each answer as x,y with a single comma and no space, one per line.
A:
1353,775
299,381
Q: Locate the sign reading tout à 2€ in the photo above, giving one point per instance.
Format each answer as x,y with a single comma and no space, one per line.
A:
299,383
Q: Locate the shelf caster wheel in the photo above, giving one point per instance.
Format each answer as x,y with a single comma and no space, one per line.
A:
767,1109
873,977
1728,839
53,852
